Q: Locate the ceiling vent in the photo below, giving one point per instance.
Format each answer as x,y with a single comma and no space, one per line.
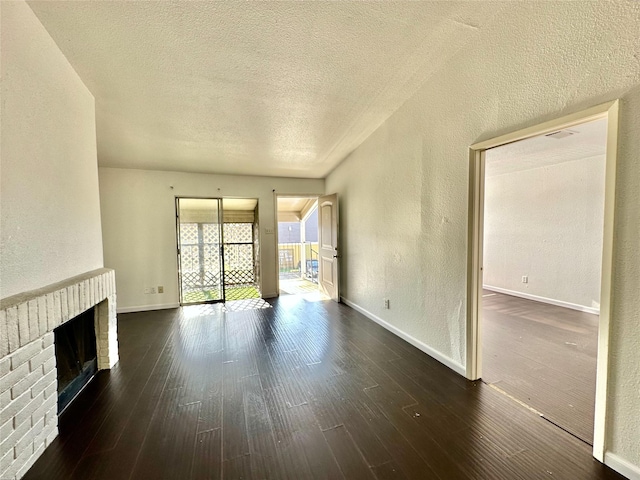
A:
560,134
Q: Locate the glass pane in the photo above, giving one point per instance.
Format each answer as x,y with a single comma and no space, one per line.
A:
200,237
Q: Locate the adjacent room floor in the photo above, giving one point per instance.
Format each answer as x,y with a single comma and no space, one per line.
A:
296,390
543,355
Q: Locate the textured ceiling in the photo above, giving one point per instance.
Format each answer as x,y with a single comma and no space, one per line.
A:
588,140
263,88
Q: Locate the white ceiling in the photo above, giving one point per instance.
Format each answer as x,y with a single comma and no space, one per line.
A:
296,205
588,140
263,88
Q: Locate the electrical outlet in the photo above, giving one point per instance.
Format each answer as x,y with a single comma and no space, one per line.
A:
152,290
386,304
525,279
268,231
160,289
147,291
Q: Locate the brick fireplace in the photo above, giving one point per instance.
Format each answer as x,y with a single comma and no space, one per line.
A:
28,374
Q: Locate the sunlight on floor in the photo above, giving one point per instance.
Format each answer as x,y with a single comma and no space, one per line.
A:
241,305
302,288
193,311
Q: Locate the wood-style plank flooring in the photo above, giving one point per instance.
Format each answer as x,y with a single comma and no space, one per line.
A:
302,390
543,355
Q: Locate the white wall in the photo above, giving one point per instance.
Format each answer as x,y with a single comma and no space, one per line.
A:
49,201
139,225
546,223
404,191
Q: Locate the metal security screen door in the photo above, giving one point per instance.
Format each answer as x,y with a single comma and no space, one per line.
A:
200,264
239,265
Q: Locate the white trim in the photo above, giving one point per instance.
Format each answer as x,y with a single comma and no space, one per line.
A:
622,466
550,301
147,308
453,365
600,432
584,116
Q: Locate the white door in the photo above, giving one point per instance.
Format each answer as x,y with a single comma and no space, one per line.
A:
328,265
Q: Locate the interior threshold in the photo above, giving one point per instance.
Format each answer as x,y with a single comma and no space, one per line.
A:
533,410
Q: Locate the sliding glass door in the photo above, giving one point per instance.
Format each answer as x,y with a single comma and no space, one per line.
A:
200,263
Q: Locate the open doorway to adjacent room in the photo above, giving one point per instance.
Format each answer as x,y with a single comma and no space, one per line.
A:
218,249
540,267
298,245
543,221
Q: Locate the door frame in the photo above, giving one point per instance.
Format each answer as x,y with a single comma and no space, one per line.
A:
178,261
277,195
477,151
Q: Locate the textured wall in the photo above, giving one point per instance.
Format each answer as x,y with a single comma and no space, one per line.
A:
624,368
404,191
546,223
139,225
49,201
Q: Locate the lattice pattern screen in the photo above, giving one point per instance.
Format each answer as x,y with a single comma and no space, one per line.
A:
239,266
238,233
200,262
210,232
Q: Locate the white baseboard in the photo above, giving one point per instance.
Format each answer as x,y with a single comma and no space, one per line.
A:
453,365
550,301
147,308
629,470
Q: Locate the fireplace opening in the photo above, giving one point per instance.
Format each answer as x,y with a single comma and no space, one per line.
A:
76,356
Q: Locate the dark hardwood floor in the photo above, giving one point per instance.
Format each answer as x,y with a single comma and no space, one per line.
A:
303,390
543,355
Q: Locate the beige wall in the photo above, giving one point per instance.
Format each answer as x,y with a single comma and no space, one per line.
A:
546,223
49,201
138,221
404,191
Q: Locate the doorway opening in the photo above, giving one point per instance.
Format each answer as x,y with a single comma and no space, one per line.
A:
218,249
546,214
298,245
542,255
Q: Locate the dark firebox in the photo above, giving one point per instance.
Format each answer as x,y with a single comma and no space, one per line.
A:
75,344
